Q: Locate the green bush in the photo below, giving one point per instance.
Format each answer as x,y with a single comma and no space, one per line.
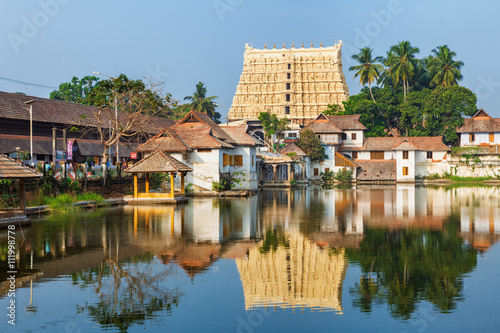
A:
344,175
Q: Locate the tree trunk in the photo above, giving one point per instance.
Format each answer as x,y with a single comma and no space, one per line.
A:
371,93
104,166
404,89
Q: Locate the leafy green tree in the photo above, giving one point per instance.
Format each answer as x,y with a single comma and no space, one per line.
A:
272,124
136,103
403,64
310,144
76,91
407,266
444,70
367,70
201,103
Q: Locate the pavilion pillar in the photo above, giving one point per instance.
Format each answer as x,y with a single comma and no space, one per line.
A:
289,170
22,194
135,185
172,189
65,145
274,172
147,182
183,191
304,175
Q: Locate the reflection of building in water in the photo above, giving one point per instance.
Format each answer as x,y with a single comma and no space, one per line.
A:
202,220
295,276
192,235
479,210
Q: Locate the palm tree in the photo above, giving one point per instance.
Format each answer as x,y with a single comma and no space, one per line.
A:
367,70
404,63
385,77
201,103
445,71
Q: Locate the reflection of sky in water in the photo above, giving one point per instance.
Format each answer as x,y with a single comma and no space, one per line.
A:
300,260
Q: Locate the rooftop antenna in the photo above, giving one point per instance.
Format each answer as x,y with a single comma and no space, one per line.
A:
26,86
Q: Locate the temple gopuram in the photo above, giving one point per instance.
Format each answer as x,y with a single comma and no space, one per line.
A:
296,83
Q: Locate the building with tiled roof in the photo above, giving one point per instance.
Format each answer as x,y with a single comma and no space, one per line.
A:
49,114
376,158
213,152
480,130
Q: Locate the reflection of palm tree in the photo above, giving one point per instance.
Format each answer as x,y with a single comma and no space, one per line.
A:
410,266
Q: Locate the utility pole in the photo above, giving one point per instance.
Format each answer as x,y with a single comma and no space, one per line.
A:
30,103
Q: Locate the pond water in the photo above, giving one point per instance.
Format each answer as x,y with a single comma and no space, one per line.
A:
378,258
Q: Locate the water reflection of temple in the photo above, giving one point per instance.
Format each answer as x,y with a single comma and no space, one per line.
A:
297,275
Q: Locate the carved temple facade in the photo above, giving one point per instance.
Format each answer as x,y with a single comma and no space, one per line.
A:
297,83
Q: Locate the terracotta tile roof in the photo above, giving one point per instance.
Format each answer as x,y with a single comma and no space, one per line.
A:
348,122
376,170
239,135
201,138
10,169
323,125
167,141
481,122
291,147
158,162
431,143
405,145
60,112
194,121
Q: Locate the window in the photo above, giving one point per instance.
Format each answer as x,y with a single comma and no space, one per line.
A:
288,76
353,136
327,170
289,66
231,160
492,137
225,159
204,150
376,155
354,154
40,157
405,171
287,97
288,86
253,160
472,137
287,110
344,136
405,154
238,160
316,172
429,154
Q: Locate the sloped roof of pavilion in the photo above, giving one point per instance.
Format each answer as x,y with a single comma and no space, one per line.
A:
158,162
10,169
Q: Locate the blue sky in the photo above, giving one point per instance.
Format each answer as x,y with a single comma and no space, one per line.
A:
182,42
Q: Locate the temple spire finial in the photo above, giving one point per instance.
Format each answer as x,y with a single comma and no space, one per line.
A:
302,45
321,45
265,46
283,45
293,45
274,46
312,44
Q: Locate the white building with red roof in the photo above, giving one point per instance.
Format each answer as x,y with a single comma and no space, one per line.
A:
212,151
401,159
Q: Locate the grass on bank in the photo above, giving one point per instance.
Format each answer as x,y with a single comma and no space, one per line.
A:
65,202
459,179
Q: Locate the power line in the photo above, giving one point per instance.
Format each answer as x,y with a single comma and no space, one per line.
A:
28,83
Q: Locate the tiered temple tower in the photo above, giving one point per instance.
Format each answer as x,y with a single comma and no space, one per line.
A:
297,83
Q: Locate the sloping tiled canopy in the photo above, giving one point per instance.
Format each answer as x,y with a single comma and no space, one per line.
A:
9,169
158,162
